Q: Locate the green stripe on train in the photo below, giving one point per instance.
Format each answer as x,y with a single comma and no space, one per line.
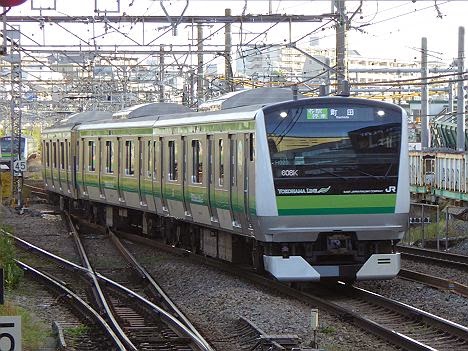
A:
335,204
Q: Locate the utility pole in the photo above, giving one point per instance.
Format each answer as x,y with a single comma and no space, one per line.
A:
200,64
460,96
16,81
227,53
425,132
341,44
161,73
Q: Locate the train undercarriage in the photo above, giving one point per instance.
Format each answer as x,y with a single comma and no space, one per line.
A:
334,256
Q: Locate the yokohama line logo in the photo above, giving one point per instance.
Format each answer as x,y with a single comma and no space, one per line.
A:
289,173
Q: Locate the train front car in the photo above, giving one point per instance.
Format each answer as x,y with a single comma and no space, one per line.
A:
333,193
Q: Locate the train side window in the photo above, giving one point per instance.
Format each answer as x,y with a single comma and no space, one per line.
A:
251,146
155,148
68,155
62,155
77,160
221,162
233,159
148,159
197,162
173,170
109,157
47,154
91,156
54,156
129,157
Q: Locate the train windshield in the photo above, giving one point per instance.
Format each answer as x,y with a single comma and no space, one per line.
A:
334,148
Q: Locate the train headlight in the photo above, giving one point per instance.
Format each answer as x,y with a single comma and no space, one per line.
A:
283,114
380,113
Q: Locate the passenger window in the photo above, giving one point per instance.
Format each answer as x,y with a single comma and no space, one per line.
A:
54,156
155,150
173,170
62,155
109,157
47,154
91,156
251,146
129,158
221,162
197,162
148,159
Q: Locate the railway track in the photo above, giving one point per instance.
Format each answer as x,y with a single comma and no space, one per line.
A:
143,323
404,326
138,323
433,256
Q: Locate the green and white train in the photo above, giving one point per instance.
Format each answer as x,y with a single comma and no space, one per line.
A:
307,189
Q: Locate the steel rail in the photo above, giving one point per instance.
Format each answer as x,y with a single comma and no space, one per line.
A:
77,301
445,258
167,317
97,291
436,282
386,333
155,289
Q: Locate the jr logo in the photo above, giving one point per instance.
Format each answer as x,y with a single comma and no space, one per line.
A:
391,189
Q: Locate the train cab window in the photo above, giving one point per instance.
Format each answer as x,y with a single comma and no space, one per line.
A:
54,156
221,162
197,162
129,157
62,155
109,157
47,148
173,167
91,156
148,159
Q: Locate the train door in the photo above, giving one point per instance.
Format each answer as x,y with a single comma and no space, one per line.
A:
172,183
211,179
185,188
158,177
249,187
100,168
222,176
140,159
55,173
61,165
236,164
120,169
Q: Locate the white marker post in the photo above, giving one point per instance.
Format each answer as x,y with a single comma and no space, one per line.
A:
314,316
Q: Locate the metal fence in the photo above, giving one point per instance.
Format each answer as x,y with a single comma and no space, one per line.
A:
429,226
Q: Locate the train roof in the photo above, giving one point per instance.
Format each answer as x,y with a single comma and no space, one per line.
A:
259,96
75,119
150,110
241,113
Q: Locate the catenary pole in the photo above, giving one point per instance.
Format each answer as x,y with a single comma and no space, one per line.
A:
461,127
425,133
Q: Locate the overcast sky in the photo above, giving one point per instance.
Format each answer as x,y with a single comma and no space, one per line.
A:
390,29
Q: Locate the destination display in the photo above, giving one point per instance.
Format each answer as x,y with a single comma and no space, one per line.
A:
345,113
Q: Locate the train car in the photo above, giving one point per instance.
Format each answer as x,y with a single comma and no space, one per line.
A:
307,190
5,149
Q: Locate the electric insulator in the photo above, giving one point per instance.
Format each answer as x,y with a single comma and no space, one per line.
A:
11,3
